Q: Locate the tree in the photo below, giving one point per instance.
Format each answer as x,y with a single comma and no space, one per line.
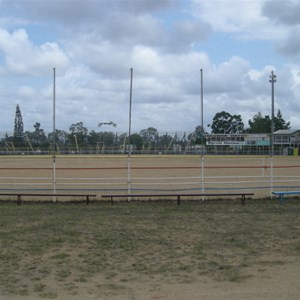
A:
149,135
224,122
107,138
122,140
18,128
79,133
38,137
260,124
61,137
165,141
198,135
280,123
136,140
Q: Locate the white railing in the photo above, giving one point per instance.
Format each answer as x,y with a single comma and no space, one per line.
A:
253,174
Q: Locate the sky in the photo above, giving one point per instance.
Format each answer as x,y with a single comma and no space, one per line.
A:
93,44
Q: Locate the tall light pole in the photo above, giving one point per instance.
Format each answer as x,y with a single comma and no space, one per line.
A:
129,146
272,81
202,134
54,135
202,111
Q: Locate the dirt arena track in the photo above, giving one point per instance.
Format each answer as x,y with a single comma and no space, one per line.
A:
103,174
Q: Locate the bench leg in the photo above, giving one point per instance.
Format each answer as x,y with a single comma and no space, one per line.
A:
281,199
18,199
178,200
112,200
243,200
87,200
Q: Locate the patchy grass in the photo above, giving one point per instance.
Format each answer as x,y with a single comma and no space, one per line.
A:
51,249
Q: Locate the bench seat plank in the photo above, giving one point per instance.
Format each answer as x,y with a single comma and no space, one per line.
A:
281,195
20,195
287,193
178,196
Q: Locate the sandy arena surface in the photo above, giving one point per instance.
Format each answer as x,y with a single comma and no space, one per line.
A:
163,173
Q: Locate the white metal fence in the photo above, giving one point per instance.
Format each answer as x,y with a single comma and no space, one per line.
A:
104,174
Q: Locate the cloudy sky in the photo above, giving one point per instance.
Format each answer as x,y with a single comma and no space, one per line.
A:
93,44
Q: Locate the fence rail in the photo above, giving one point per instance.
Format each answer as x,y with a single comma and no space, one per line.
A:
155,174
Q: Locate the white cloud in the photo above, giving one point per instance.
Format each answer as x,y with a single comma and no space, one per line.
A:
241,18
285,12
94,45
23,57
228,76
82,11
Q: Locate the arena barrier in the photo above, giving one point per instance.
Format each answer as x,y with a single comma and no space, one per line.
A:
149,174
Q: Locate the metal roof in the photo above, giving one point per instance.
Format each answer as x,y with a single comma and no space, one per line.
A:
286,131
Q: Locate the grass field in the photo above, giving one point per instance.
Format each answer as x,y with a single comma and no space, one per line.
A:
218,250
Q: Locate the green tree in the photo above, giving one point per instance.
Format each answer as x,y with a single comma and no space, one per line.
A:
165,141
280,123
94,138
224,122
197,136
149,136
106,138
78,134
61,138
260,124
123,141
38,137
18,138
136,140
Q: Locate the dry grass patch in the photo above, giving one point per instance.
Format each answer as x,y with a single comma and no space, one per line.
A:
53,251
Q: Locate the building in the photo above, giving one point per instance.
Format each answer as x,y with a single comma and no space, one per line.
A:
285,142
287,138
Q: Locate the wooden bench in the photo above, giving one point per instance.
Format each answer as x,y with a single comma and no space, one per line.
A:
20,195
281,195
177,196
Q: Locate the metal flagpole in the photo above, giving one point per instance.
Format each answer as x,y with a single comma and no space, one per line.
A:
202,136
54,140
129,146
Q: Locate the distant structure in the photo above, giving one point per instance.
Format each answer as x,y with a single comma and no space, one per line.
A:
107,123
285,141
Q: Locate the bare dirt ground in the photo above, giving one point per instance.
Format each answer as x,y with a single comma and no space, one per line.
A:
211,250
278,283
151,174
